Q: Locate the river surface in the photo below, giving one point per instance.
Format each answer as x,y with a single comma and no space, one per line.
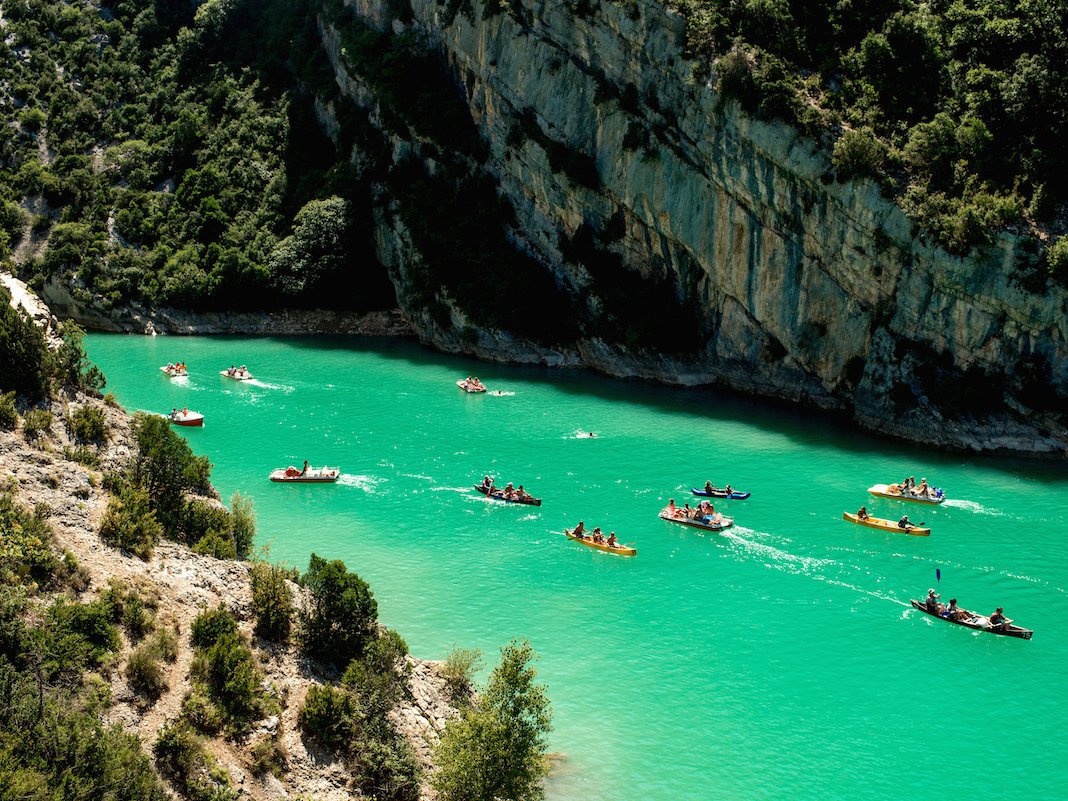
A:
778,660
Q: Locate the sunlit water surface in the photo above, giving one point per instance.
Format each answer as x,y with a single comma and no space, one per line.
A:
779,660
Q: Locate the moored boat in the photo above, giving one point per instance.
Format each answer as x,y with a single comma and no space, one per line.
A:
473,386
498,495
716,523
622,550
889,526
236,373
733,495
174,370
896,492
313,475
186,418
970,620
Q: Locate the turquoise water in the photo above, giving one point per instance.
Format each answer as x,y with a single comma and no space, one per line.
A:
778,660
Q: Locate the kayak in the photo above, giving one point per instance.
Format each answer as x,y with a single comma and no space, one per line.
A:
186,418
174,372
970,620
315,475
622,550
711,525
889,526
236,375
498,495
721,493
472,388
894,491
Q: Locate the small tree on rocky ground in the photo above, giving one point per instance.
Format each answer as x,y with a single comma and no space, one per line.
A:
497,748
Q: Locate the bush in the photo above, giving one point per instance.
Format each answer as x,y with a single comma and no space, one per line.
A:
330,716
130,523
1057,259
217,544
181,757
379,677
858,154
143,672
26,553
228,671
458,670
166,468
341,614
82,455
24,356
211,625
269,756
36,422
272,603
128,607
9,415
242,524
88,424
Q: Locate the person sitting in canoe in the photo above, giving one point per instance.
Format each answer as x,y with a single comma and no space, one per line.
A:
487,482
932,602
728,489
952,611
304,470
709,486
998,619
862,513
579,530
671,509
612,541
905,523
598,536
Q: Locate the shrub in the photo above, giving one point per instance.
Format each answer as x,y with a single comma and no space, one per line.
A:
111,400
269,756
242,524
330,716
228,671
217,544
201,712
458,671
166,468
166,643
1057,259
82,455
272,603
181,757
23,353
143,672
88,424
201,519
9,415
341,613
211,625
379,677
36,422
26,553
858,154
130,523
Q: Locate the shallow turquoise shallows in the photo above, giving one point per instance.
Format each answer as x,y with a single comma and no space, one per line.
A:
779,660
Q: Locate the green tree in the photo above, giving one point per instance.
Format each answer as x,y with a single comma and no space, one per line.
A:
497,748
341,614
316,248
272,604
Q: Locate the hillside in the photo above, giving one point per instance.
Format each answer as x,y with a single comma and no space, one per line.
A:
683,198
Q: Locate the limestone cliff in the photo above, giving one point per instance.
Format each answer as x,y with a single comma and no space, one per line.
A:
677,224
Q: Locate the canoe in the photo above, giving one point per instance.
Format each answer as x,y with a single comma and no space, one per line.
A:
473,389
237,375
315,475
889,526
883,491
622,550
173,372
978,622
186,418
499,496
721,493
719,525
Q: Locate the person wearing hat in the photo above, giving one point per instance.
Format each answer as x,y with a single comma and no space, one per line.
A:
932,602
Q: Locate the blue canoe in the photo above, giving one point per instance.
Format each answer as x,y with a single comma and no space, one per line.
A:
719,493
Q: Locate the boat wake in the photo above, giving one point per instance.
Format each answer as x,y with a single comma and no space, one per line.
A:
530,517
579,434
366,483
450,489
255,382
972,506
500,393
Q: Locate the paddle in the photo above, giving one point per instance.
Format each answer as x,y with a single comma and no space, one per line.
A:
938,574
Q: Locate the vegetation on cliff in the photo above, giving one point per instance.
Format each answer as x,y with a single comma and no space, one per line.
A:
959,107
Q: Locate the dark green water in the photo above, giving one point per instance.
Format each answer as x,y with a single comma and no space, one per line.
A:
778,660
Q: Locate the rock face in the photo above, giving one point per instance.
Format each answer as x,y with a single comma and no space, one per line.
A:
804,288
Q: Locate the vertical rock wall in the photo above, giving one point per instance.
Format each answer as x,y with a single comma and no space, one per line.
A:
805,288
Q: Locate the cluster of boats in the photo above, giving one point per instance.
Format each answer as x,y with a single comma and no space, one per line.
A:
181,370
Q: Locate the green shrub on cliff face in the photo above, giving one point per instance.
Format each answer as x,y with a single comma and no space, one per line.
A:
9,414
341,615
272,604
130,522
88,424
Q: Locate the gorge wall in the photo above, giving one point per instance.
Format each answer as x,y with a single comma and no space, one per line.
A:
686,241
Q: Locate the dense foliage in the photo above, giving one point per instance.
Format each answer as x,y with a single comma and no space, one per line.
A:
497,748
185,167
341,614
960,107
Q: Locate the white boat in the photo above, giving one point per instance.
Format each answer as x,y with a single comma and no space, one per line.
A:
237,374
186,418
313,475
174,370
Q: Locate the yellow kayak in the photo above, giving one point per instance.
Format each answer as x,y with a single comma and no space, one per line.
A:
622,550
886,525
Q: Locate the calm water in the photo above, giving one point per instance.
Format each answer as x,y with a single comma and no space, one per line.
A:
779,660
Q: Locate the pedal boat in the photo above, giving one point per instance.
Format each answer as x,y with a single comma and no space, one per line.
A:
314,475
